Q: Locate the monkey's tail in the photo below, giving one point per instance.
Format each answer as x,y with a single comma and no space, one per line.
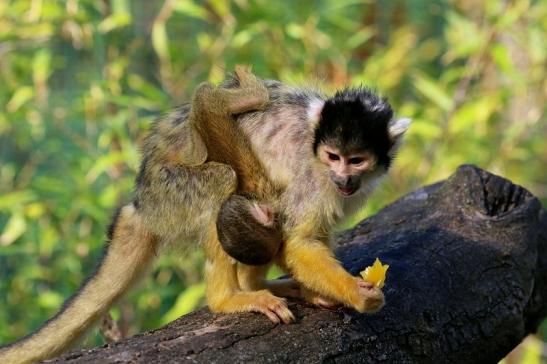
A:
127,257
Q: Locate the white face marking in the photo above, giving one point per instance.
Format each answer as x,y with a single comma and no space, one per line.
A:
314,110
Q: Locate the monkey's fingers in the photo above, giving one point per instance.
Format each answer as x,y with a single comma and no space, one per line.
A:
247,80
275,309
270,314
256,95
282,311
364,284
243,68
372,296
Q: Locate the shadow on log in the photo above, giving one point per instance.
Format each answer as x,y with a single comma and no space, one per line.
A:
467,281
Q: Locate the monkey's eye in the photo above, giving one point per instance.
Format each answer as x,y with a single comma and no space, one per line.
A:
356,160
333,157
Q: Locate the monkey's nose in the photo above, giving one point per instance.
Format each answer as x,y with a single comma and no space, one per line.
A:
343,181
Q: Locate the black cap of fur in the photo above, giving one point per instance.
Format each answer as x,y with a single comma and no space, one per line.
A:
356,119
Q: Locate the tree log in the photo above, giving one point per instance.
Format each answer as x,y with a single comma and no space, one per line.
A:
467,282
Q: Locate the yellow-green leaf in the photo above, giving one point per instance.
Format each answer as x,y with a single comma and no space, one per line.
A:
186,302
15,227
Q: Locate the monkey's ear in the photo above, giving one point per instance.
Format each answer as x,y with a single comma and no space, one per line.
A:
314,111
262,213
396,129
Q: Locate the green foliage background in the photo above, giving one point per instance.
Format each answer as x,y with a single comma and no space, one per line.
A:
82,80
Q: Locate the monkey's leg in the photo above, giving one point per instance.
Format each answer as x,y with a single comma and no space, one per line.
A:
312,263
131,248
251,277
232,101
224,294
251,95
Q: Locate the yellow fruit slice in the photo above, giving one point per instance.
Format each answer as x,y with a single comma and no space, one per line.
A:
376,273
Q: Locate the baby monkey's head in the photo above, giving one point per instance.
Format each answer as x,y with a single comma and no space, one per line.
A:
356,137
249,230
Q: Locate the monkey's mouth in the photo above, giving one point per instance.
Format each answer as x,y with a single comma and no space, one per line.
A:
346,191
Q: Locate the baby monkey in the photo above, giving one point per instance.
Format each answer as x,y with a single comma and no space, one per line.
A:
249,231
247,228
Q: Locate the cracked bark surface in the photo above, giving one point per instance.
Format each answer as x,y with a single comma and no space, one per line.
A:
467,281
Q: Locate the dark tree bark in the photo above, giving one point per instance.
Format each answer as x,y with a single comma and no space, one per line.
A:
467,281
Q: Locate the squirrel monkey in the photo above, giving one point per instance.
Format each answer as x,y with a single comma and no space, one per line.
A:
321,156
327,154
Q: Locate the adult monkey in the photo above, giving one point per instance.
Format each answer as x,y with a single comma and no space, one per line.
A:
178,197
328,154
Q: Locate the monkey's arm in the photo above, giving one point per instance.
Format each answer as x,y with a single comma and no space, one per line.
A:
312,263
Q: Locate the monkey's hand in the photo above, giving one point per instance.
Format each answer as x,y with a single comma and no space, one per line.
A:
313,264
372,298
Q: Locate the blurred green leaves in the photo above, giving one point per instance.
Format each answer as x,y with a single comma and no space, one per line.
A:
433,92
186,302
82,80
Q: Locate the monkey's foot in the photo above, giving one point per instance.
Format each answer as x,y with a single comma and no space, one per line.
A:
274,307
246,78
258,93
263,301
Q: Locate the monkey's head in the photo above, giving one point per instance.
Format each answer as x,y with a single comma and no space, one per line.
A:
356,137
248,230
